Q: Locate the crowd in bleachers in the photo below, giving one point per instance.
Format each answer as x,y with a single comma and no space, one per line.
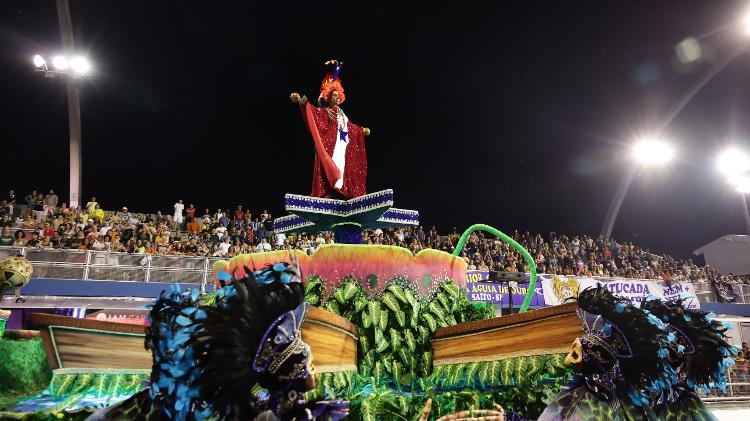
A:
40,221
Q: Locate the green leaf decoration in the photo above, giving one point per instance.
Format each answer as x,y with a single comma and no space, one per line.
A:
390,301
396,369
383,319
61,384
366,320
350,290
470,373
118,385
339,380
451,289
535,365
83,380
555,364
378,372
359,303
369,359
405,356
424,334
398,292
403,404
374,308
444,301
522,365
485,368
395,339
455,375
431,322
312,299
451,320
339,294
364,344
400,318
506,371
100,384
333,307
435,308
412,300
494,374
411,342
382,345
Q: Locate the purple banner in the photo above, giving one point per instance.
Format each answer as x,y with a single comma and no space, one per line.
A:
500,294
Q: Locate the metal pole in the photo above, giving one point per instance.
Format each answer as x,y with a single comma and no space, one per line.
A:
74,106
747,214
616,204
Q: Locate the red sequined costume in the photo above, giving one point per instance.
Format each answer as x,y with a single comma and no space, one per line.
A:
339,145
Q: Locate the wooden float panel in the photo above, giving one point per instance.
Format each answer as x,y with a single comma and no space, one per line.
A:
82,343
533,334
98,349
332,339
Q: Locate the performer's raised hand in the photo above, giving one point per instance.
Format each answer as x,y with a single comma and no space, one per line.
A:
426,410
297,99
366,131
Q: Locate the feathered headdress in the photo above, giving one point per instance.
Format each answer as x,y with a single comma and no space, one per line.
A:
332,82
635,337
697,340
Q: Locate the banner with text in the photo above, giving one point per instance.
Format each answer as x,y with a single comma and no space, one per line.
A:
501,294
558,288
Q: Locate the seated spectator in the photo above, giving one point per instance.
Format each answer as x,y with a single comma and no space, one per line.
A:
6,239
19,239
97,214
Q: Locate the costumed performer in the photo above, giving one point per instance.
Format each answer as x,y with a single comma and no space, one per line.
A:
209,361
618,354
699,356
340,169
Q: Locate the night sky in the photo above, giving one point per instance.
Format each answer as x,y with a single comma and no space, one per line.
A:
514,114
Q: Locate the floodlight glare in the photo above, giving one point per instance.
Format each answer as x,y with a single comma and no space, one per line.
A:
652,152
80,65
39,61
733,162
60,62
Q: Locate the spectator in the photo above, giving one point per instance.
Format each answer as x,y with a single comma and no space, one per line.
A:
239,214
97,214
178,207
50,203
19,239
91,205
6,239
190,211
11,201
38,208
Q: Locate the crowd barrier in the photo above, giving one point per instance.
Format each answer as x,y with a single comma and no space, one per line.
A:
114,266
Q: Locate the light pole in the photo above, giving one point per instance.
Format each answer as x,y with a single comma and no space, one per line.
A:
645,153
734,164
71,67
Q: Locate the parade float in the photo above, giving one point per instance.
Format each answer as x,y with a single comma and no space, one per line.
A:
393,333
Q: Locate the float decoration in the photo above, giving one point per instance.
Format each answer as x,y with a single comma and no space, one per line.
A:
345,218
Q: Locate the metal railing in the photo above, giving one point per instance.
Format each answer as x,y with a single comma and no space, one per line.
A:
112,266
116,266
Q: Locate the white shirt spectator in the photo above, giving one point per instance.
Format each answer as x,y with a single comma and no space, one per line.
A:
103,230
280,238
224,248
178,208
264,246
221,231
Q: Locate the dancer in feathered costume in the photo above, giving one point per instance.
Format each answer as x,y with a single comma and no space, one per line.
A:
698,355
617,354
208,361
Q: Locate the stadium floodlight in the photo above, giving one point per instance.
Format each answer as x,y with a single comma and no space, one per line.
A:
746,24
39,61
60,62
652,152
80,65
733,162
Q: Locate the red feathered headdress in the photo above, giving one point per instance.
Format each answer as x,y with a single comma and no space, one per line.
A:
331,82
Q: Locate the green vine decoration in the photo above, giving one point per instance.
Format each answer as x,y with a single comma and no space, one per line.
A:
526,256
